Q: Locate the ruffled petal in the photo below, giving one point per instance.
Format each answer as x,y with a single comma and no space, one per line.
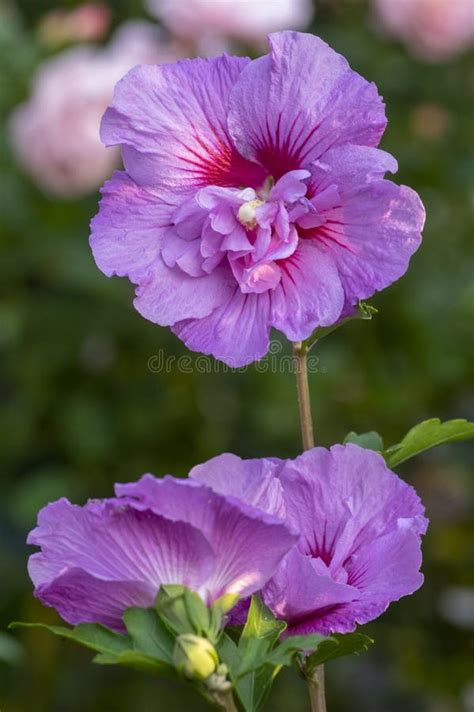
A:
389,567
387,570
237,332
79,597
374,228
169,295
289,107
253,481
344,498
297,590
248,543
350,168
171,123
127,232
309,294
114,542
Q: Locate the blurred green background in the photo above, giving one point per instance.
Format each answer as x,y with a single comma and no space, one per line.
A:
81,407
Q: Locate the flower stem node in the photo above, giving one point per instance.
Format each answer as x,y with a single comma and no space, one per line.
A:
195,657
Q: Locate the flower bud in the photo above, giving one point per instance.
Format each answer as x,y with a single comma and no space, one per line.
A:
194,656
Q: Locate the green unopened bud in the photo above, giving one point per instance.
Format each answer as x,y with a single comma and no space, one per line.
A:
195,657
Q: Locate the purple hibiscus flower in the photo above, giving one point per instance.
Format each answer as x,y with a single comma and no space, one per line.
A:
98,560
253,196
360,528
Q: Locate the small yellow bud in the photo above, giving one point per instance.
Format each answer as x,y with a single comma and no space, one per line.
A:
195,657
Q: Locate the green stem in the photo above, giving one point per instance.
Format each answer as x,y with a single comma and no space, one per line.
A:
225,700
317,696
300,354
315,681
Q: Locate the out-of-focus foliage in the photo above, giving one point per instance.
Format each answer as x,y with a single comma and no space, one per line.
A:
85,401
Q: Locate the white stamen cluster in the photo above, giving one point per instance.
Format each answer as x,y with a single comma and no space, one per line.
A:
247,214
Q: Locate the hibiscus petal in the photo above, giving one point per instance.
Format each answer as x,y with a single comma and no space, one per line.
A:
387,570
372,235
290,187
79,597
126,233
248,543
253,481
237,332
171,123
350,168
309,293
297,591
115,542
184,253
169,295
289,107
344,498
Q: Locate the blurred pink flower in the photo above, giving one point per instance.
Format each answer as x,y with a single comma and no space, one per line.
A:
85,23
433,29
55,134
429,121
246,20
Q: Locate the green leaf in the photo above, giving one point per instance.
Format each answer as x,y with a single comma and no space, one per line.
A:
183,611
90,635
253,686
335,647
369,441
148,633
284,653
260,633
229,654
148,647
251,674
364,312
137,660
251,689
426,435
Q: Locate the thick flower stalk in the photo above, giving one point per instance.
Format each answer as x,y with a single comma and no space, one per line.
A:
360,533
98,560
253,196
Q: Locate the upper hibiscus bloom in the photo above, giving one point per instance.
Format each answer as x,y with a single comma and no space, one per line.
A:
98,560
253,196
360,530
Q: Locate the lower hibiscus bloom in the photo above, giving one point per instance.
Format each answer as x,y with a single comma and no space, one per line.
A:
98,560
360,533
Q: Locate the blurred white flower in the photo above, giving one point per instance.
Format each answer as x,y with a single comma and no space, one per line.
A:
456,605
432,29
55,134
247,20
